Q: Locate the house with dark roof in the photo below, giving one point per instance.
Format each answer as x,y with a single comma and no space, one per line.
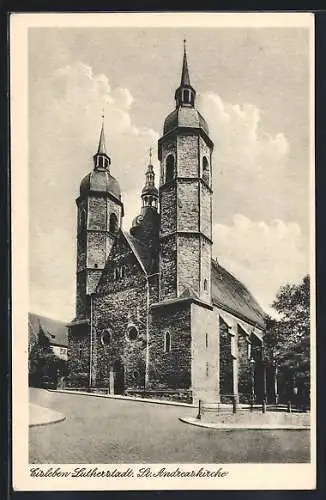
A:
155,313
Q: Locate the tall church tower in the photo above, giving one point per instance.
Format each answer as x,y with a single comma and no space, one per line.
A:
100,212
185,153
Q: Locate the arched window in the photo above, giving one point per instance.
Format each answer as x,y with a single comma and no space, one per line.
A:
115,274
186,96
167,342
113,225
205,285
82,220
122,272
206,175
169,165
106,338
207,369
206,340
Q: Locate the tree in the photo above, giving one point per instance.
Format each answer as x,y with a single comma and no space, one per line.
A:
43,362
287,339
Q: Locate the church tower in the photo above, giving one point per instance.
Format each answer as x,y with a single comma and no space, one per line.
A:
100,212
185,154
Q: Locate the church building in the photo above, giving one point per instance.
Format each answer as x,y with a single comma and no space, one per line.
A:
156,315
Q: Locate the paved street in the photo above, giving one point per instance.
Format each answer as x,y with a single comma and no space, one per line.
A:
99,430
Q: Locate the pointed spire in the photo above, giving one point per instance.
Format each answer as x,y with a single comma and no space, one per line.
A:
185,80
185,94
101,145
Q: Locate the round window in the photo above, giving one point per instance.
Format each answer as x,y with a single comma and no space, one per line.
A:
132,333
106,338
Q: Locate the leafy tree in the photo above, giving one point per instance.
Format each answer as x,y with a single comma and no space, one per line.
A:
287,339
43,362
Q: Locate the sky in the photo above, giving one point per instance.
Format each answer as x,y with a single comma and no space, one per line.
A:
253,89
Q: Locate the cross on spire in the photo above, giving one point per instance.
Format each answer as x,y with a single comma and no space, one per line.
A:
150,155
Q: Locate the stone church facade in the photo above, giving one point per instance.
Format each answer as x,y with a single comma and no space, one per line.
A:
155,313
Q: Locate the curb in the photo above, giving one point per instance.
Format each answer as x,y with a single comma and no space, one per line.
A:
226,427
125,398
55,417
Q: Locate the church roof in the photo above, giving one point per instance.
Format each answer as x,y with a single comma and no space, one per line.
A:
230,294
142,252
55,330
185,117
101,181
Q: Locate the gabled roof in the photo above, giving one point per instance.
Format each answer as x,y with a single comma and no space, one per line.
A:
142,252
230,294
55,330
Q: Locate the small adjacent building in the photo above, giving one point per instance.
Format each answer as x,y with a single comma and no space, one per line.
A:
155,312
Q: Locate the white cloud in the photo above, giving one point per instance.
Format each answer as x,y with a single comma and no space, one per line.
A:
263,256
250,176
67,109
240,138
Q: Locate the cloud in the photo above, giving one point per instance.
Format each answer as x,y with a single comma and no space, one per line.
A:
67,109
263,256
251,174
251,166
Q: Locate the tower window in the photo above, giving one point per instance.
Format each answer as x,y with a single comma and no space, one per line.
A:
206,175
205,285
169,168
82,219
122,272
113,225
167,342
207,369
206,340
186,97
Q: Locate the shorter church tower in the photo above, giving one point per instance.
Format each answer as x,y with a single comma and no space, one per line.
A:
100,212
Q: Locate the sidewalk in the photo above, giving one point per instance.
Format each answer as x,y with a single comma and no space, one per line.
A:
127,398
256,423
43,416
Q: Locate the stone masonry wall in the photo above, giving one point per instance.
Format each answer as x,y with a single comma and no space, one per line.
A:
205,211
188,206
168,268
168,209
170,370
123,306
188,156
205,269
78,355
188,263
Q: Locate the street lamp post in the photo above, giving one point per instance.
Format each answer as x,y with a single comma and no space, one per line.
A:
252,375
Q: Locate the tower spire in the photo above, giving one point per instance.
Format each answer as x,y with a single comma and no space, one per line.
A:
185,80
101,145
101,158
185,94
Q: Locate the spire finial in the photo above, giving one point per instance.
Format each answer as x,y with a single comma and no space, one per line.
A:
150,155
185,45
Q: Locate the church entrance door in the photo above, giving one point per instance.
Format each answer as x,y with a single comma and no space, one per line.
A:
118,371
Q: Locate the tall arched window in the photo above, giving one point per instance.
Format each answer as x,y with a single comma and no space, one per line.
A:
205,285
206,175
169,166
113,225
167,342
82,220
